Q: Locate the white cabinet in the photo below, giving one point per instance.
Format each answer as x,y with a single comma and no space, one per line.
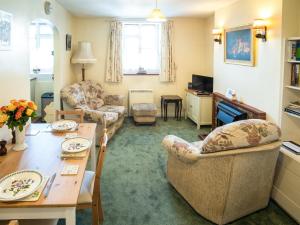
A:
199,108
287,183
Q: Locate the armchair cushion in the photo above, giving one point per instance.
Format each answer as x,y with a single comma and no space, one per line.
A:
93,94
120,110
114,100
241,134
180,148
73,95
100,116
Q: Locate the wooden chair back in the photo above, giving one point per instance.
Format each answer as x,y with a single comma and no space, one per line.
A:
99,167
76,115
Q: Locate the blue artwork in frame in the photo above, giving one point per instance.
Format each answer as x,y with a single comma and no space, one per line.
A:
239,46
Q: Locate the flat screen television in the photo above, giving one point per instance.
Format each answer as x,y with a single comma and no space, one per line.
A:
202,83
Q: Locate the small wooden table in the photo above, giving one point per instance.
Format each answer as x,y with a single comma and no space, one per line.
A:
43,154
165,100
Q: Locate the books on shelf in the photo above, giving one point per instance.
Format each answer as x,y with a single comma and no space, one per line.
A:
294,50
293,108
295,74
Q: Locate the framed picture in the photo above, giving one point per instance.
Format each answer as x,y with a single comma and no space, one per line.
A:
68,42
239,46
5,30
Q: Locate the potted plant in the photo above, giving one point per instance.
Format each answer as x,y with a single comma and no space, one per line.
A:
15,115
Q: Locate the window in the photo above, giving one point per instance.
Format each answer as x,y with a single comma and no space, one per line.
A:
141,48
41,48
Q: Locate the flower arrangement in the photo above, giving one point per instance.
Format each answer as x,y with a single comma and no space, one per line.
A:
17,113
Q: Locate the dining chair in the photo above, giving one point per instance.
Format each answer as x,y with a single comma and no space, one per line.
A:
90,194
76,115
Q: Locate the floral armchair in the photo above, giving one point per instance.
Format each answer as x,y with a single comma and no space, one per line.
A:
106,110
230,173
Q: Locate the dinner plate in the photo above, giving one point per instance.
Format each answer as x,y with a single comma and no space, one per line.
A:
19,184
76,144
63,125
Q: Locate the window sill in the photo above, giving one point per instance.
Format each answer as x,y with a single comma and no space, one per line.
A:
141,74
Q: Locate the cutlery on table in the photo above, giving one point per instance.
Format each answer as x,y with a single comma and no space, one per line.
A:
49,185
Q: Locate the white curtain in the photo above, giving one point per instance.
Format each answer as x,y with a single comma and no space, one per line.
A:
168,68
114,73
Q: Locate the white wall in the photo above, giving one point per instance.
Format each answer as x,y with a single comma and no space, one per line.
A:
258,86
190,56
14,69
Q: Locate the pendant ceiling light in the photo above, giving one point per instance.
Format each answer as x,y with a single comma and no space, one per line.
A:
156,15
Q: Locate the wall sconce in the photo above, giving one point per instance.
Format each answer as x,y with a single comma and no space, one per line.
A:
217,35
260,27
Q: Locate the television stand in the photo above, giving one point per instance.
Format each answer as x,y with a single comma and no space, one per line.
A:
198,107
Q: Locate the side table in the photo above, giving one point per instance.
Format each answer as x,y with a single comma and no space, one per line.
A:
165,100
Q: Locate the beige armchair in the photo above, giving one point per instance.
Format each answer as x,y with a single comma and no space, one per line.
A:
223,186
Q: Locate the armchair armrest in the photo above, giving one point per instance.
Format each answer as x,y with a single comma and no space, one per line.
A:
114,100
181,149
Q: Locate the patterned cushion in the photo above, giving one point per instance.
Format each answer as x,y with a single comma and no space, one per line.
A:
73,95
181,149
241,134
144,109
93,94
113,108
114,100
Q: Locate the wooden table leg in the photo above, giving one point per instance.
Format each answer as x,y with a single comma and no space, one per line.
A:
166,110
161,108
176,110
180,109
71,216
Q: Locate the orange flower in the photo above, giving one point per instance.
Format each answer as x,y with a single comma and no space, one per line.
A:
14,102
18,115
29,112
11,107
1,125
3,117
21,109
3,109
32,105
23,103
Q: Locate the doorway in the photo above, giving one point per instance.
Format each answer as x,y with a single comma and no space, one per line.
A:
42,63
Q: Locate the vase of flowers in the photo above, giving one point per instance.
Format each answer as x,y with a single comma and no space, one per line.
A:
15,115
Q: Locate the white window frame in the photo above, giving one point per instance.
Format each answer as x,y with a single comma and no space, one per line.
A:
141,23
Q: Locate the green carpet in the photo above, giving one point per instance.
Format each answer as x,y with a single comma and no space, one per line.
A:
135,190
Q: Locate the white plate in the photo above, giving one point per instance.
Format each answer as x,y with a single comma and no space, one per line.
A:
19,185
63,125
74,145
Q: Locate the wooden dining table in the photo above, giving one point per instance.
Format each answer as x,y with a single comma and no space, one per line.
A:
44,155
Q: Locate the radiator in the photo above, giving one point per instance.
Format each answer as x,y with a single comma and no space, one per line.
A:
140,96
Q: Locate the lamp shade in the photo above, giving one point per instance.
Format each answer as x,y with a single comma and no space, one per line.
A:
156,16
84,53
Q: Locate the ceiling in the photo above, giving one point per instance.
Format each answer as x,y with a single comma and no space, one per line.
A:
142,8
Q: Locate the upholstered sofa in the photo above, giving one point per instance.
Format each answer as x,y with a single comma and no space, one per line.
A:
230,173
106,110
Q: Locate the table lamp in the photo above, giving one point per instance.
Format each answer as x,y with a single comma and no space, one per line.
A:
84,55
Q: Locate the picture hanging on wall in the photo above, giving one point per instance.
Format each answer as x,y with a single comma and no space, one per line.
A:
68,42
5,30
239,46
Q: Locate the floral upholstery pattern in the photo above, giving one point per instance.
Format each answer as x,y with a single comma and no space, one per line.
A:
93,93
119,110
241,134
73,95
89,96
114,100
180,148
